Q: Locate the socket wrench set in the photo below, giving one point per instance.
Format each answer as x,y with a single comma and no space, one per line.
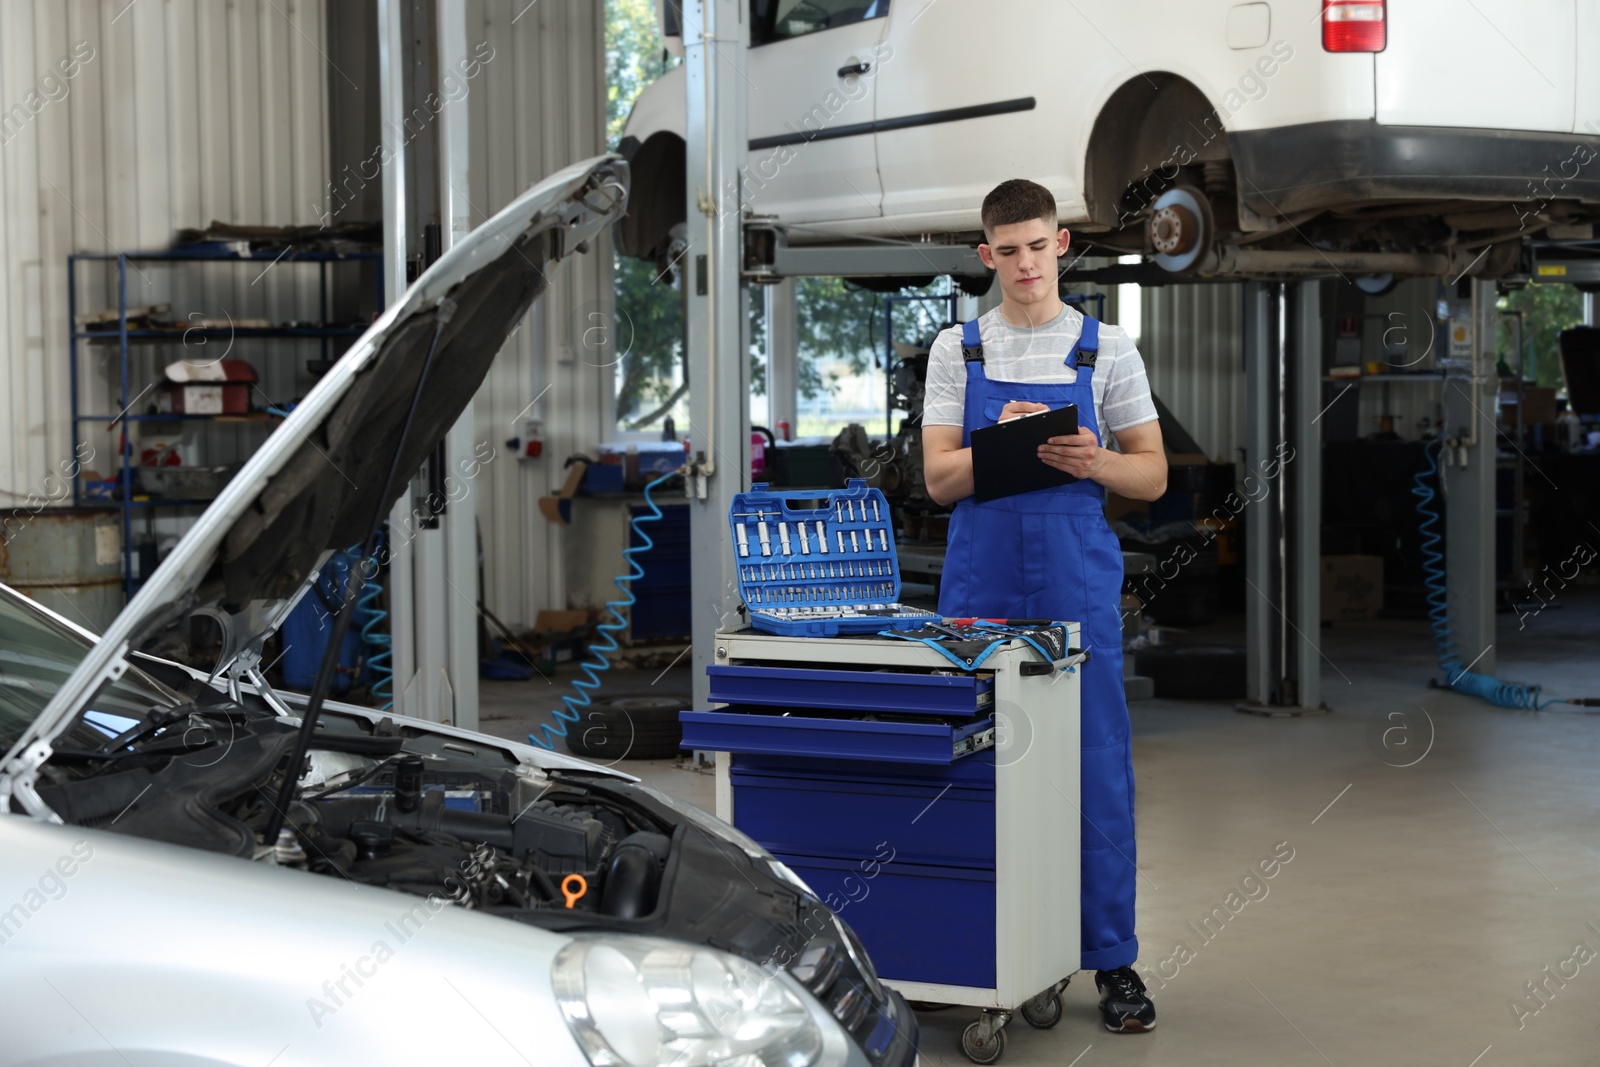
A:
819,563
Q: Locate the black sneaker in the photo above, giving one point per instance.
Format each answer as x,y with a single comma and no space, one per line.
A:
1125,1008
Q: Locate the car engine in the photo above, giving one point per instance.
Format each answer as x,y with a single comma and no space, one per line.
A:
447,821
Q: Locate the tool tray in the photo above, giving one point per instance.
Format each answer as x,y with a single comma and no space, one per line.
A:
740,732
871,692
819,562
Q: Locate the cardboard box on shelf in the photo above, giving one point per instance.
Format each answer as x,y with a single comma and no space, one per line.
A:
558,636
1539,405
1352,587
558,508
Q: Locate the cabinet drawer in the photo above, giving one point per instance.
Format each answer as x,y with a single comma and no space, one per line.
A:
919,924
850,739
896,692
925,816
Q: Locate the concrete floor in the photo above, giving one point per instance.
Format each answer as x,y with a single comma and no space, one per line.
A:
1444,854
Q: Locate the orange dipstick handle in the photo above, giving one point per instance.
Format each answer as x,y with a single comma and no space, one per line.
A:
573,887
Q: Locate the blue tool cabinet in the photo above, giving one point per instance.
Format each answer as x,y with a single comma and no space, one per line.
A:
936,811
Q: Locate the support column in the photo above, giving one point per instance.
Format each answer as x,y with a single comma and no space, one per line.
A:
1303,479
1471,391
1283,486
1264,651
715,40
396,238
460,520
783,354
432,541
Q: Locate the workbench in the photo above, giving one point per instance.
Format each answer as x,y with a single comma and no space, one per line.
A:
948,840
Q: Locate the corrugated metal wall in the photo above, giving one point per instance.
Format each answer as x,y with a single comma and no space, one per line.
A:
124,122
180,112
538,105
1193,351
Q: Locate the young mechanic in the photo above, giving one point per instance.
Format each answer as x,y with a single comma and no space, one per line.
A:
1050,553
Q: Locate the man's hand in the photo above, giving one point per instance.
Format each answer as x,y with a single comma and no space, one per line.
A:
1016,408
1079,455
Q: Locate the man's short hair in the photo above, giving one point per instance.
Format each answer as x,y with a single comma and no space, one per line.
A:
1017,200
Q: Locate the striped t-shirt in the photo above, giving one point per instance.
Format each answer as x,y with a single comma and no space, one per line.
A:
1037,355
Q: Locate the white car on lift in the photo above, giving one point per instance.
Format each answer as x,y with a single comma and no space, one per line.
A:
1218,136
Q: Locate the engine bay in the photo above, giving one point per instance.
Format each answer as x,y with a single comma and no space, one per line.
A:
436,829
379,804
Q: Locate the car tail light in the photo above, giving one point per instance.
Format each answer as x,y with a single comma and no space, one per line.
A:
1354,25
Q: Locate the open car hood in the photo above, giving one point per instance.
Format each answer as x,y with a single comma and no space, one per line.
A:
313,487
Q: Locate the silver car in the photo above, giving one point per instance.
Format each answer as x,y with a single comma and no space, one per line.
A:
196,869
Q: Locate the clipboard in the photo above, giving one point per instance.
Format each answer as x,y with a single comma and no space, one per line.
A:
1005,456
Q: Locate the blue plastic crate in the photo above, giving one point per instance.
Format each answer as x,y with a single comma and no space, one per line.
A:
818,563
660,611
603,478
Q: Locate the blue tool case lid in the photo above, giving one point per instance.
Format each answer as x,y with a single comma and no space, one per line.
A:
819,562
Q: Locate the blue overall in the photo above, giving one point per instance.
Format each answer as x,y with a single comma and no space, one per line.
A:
1050,554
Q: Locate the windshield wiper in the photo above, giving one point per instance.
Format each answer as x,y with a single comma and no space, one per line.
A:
156,719
160,718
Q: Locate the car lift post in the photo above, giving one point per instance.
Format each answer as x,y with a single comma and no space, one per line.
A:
1467,470
458,706
782,355
715,44
432,570
392,105
1283,526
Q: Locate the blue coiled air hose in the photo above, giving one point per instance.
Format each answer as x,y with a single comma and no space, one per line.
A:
592,668
1503,694
373,633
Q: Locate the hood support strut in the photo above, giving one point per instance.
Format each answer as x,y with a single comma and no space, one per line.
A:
443,312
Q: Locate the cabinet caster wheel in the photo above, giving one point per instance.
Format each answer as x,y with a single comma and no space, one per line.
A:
981,1048
1043,1011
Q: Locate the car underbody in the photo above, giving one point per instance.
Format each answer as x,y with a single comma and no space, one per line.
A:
1352,197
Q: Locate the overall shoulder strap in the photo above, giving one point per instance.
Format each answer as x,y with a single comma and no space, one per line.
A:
971,342
1088,347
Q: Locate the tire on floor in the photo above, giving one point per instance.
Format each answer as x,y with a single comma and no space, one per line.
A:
628,726
1195,672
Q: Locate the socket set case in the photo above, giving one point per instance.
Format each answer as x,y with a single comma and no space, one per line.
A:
819,563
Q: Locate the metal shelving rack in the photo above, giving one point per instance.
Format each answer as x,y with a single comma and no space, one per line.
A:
126,338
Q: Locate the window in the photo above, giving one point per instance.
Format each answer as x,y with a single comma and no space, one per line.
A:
1130,308
37,654
778,20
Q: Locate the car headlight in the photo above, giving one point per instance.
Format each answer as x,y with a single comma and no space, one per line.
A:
639,1001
